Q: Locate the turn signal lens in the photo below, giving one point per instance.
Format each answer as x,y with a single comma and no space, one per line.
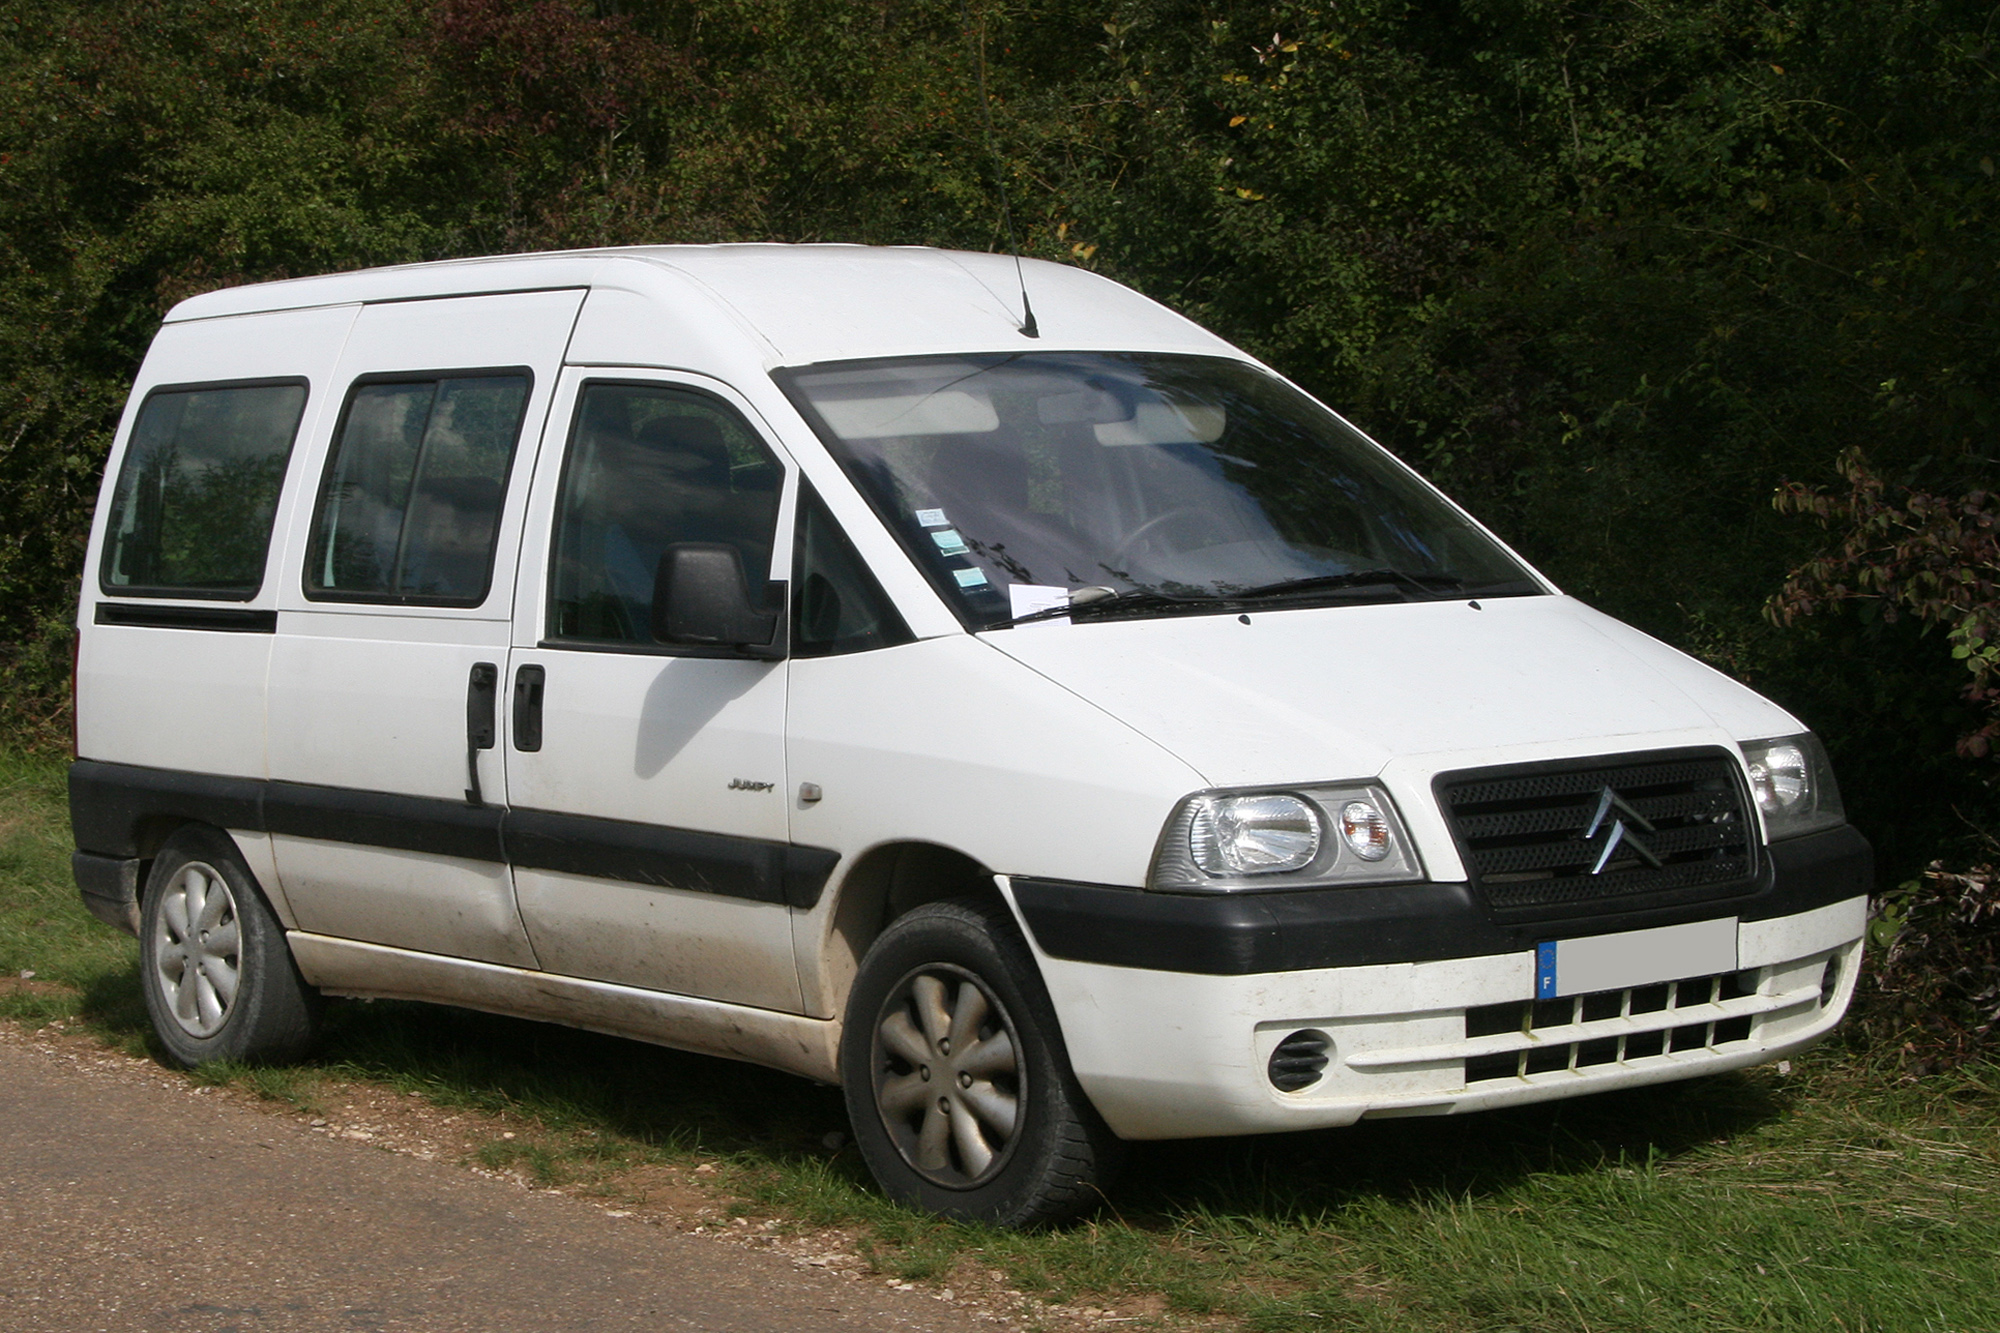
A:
1253,835
1365,830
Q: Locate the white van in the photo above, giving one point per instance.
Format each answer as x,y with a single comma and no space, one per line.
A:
1054,737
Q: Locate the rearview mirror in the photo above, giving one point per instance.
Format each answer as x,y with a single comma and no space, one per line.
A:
701,599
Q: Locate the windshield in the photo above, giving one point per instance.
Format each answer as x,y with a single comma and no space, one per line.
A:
1102,484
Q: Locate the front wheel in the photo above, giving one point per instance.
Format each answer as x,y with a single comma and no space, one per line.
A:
219,978
957,1085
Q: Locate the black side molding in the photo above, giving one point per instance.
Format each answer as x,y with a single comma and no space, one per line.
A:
118,810
1240,934
382,819
238,619
115,809
755,869
647,854
807,870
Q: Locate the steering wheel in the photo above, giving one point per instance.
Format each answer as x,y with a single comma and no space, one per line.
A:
1185,514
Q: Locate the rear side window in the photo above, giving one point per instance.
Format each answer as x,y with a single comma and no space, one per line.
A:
409,511
198,490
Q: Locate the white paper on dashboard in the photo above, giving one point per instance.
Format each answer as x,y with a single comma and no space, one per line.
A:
1027,598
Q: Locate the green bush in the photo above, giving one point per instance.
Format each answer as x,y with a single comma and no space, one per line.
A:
1934,974
1611,273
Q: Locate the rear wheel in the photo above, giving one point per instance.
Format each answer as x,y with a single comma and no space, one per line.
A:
957,1085
219,979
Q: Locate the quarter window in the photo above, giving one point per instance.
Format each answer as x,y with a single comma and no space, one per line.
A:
648,467
838,606
197,493
410,508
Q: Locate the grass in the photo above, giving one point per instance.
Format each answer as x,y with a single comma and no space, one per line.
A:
1841,1196
80,968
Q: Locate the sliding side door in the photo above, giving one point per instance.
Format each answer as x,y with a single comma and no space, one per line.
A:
386,675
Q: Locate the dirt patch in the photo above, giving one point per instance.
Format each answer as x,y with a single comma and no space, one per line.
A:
690,1197
670,1191
27,983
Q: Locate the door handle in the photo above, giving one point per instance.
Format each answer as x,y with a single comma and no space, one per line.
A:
482,690
528,708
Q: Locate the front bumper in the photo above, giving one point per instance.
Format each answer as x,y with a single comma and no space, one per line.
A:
1178,1051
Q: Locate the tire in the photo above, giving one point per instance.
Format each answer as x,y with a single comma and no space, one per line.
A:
997,1131
219,978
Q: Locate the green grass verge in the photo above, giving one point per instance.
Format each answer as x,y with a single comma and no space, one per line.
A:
1838,1197
81,968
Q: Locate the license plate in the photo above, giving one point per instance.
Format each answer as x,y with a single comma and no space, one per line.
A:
1634,958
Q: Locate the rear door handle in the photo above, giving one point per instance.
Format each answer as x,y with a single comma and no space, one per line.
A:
528,682
482,690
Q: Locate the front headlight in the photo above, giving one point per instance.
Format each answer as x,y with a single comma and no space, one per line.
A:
1793,784
1236,841
1252,835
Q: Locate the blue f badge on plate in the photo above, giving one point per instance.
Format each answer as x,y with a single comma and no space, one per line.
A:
1545,970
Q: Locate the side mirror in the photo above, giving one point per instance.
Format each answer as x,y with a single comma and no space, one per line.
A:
701,599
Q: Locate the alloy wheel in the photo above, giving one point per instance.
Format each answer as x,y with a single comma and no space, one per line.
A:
197,949
948,1077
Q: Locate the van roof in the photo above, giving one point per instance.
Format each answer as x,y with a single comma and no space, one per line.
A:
803,303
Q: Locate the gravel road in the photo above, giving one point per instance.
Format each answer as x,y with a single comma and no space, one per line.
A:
130,1203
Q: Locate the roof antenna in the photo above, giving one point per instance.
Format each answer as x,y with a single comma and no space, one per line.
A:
1028,327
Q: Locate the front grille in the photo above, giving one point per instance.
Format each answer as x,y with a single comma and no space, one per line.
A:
1672,1016
1555,840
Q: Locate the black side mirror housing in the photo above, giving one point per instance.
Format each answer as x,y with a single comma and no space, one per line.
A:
701,601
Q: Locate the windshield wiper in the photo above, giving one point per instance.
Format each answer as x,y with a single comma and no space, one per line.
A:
1137,599
1146,599
1429,585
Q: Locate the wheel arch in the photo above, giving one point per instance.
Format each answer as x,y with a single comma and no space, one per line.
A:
884,883
151,834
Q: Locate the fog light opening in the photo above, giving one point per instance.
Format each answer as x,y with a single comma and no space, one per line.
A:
1829,982
1299,1060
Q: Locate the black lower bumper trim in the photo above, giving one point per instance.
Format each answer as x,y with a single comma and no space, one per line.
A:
110,888
1244,933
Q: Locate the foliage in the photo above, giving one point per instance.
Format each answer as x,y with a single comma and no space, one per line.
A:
1934,982
1935,975
1610,271
179,147
1901,550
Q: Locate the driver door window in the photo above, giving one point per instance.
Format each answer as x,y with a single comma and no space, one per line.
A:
648,467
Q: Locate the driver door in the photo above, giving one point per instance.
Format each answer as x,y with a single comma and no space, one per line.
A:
648,829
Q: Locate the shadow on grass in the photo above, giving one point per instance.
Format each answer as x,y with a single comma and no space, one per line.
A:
570,1079
677,1102
1302,1176
113,1002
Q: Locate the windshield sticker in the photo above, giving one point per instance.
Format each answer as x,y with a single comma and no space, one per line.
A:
932,518
970,578
949,542
1025,599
